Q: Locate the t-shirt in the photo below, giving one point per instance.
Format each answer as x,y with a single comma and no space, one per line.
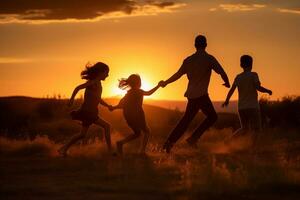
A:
198,68
247,82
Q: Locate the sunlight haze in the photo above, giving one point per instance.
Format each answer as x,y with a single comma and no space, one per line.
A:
44,56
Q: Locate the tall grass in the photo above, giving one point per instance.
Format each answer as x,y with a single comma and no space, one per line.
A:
283,113
214,170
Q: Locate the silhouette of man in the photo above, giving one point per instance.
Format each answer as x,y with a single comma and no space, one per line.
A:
198,68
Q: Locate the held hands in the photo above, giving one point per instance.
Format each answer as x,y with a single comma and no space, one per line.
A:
162,84
226,84
270,92
110,108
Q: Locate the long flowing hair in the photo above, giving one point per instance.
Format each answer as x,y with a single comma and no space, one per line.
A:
92,71
134,80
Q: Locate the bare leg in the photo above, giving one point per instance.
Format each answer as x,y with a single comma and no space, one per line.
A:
238,133
244,121
63,150
145,140
85,140
106,126
255,124
126,140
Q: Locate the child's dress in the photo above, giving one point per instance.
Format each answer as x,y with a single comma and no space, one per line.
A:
88,112
133,111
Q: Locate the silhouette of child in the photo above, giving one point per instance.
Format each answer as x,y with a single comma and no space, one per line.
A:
88,112
248,84
133,111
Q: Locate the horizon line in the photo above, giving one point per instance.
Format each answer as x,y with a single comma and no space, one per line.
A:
119,97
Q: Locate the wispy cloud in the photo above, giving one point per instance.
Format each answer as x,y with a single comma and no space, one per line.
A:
47,11
288,6
8,60
238,7
292,11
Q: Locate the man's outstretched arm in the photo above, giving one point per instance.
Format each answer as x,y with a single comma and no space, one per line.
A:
225,79
173,78
230,93
219,70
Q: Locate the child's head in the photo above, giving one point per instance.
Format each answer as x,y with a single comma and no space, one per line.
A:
246,62
133,81
98,70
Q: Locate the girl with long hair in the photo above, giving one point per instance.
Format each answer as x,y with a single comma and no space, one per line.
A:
88,112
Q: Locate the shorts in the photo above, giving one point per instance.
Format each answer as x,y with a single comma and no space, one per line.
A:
136,120
86,117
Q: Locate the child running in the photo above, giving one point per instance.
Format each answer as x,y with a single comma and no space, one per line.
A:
88,112
248,84
133,111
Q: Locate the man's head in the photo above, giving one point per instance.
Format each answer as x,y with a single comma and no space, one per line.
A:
200,42
246,62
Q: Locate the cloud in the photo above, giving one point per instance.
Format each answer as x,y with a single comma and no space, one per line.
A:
276,3
292,11
284,6
45,11
238,7
8,60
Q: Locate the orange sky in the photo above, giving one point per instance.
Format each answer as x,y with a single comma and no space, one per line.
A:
43,54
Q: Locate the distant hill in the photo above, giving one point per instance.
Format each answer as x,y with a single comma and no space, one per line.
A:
180,105
26,116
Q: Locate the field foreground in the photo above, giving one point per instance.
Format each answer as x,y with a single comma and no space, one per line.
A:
33,170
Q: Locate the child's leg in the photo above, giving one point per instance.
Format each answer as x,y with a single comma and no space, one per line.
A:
129,138
74,139
145,140
255,125
244,122
106,126
86,139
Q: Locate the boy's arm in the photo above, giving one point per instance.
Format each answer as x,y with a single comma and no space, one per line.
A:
259,87
76,90
150,92
230,93
264,90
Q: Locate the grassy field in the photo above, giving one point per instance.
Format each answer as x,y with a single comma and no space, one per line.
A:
33,170
33,129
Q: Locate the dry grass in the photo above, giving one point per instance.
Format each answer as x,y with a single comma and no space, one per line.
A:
32,169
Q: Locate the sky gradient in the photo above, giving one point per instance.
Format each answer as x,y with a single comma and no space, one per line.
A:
45,45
